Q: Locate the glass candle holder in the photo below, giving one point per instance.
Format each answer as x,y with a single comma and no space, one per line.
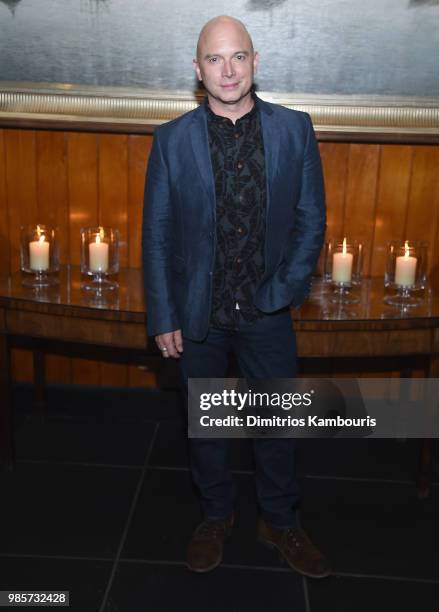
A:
357,249
319,282
406,272
357,266
99,257
342,265
39,255
327,260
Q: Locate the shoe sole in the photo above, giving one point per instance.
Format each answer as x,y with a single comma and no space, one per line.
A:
273,546
204,570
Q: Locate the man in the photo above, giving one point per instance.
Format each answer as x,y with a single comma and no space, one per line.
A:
234,221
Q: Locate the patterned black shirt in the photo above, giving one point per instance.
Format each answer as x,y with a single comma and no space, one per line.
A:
238,162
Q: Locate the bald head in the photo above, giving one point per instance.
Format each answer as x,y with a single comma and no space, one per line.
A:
225,25
226,63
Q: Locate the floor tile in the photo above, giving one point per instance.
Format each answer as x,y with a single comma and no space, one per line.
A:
242,455
171,448
164,588
345,594
166,512
372,528
71,401
84,441
385,459
64,510
85,580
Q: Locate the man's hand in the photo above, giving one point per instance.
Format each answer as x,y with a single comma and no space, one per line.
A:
170,344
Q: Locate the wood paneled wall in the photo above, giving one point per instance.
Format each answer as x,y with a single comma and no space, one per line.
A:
378,193
374,192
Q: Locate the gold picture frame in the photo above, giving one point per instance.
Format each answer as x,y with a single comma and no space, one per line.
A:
129,110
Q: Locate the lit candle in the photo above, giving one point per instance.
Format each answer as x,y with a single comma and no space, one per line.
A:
342,266
39,252
98,252
405,270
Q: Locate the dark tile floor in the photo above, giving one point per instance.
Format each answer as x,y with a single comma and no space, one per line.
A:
100,503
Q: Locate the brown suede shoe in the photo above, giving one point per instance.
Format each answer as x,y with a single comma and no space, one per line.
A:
296,548
205,550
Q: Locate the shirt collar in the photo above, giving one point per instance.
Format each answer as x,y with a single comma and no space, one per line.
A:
219,119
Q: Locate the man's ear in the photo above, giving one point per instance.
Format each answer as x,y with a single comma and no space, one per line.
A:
197,69
255,62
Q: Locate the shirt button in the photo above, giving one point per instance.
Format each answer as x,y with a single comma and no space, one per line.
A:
237,136
239,230
238,260
239,164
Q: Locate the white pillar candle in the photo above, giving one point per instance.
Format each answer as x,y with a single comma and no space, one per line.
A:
98,252
405,269
39,254
342,266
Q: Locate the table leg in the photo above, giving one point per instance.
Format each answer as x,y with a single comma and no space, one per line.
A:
6,409
39,363
423,481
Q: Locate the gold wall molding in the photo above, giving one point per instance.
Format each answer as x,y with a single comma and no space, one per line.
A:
63,106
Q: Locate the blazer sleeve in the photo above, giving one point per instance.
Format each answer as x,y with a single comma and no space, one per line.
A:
309,226
156,245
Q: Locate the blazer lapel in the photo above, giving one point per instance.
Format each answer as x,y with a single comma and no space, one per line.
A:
271,134
200,146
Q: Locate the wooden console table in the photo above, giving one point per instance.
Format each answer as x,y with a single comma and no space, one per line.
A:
67,320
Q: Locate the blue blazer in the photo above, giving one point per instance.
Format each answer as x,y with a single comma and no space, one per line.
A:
179,220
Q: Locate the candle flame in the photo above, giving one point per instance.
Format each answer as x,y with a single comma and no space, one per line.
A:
41,237
406,249
344,246
100,235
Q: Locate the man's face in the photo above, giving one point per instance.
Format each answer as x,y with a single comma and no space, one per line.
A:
226,62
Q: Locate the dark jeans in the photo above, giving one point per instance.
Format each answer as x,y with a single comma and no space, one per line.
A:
265,348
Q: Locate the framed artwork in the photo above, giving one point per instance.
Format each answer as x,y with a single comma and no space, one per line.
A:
366,68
